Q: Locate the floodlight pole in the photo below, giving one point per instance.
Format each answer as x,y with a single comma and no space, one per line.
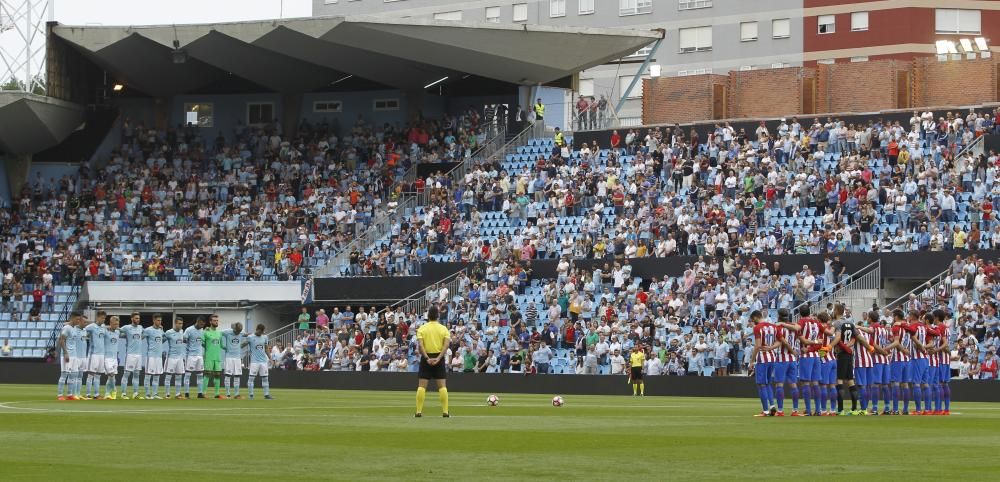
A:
638,74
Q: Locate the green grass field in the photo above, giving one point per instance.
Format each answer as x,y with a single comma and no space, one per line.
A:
346,435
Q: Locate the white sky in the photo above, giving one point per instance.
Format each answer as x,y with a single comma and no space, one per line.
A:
149,12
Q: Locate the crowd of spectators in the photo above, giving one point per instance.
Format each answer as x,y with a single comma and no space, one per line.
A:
256,203
808,187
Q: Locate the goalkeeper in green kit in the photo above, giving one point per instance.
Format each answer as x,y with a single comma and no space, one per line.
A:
212,341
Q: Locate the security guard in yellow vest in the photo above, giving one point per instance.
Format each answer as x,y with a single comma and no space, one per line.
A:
558,139
539,110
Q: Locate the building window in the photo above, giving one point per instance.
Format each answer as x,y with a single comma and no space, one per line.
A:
557,8
586,7
520,12
693,4
379,105
685,73
748,31
199,114
493,14
859,21
586,87
643,52
260,113
860,58
746,68
453,16
328,106
781,28
827,24
634,7
695,39
779,65
624,82
953,20
826,62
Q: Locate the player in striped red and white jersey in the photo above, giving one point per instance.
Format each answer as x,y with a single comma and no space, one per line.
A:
920,363
811,340
864,363
881,375
899,358
765,336
944,361
786,367
828,368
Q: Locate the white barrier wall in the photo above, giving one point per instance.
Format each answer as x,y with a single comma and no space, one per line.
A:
192,291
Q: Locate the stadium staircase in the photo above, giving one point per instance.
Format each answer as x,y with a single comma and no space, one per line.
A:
33,339
929,292
858,292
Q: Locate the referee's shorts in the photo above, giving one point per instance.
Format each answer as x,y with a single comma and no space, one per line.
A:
636,374
432,372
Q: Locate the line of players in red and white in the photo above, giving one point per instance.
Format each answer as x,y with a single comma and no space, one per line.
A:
907,359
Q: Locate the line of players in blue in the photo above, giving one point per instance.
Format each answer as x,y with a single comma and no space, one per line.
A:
903,360
93,349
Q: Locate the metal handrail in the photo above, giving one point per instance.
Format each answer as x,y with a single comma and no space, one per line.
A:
842,287
418,303
54,335
977,147
933,284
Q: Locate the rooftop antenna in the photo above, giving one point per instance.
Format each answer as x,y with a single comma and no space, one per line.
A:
22,41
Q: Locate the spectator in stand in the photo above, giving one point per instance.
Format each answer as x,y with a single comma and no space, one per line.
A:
304,319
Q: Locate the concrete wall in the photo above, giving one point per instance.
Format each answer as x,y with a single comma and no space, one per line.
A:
4,184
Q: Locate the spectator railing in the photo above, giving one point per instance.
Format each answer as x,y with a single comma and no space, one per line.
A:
934,285
853,292
977,147
284,336
418,302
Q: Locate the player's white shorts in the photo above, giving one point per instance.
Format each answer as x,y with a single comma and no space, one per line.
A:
110,365
154,365
74,365
233,366
175,366
133,363
195,363
96,364
258,369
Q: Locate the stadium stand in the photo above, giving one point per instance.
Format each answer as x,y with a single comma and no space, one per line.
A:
808,188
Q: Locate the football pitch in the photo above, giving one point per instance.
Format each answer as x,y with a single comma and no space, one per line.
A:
355,435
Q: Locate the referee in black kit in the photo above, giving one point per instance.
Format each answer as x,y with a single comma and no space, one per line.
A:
433,340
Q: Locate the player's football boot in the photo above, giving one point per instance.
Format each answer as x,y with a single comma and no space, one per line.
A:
779,413
912,414
772,411
187,396
201,395
446,415
926,412
418,415
98,397
251,397
762,414
124,396
887,412
795,413
156,397
817,414
218,397
238,397
61,398
85,397
268,397
937,412
946,412
138,396
111,396
73,397
168,396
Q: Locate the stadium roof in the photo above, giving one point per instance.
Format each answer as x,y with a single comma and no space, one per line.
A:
32,123
308,54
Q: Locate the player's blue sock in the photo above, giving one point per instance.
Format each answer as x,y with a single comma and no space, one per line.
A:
266,383
201,382
236,386
831,396
250,385
177,384
779,395
135,381
187,383
820,398
863,392
795,398
761,390
928,396
917,395
62,382
946,395
225,383
807,396
95,379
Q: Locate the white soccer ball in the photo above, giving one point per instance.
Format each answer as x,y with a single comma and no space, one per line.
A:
557,401
493,400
